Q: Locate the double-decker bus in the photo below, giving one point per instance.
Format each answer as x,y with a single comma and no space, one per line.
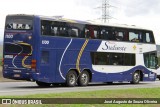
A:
50,51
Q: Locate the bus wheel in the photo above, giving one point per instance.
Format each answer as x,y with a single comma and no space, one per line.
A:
42,84
71,78
136,78
83,79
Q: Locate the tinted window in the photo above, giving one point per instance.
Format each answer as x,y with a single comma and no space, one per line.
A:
116,58
129,59
116,34
134,36
19,48
103,58
10,48
66,29
150,60
18,23
92,32
54,28
148,37
44,57
108,33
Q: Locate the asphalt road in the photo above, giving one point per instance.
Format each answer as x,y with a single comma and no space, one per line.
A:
27,88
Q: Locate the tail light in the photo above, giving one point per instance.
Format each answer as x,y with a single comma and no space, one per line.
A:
33,64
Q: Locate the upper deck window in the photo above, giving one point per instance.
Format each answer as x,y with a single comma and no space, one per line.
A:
18,23
134,36
54,28
69,29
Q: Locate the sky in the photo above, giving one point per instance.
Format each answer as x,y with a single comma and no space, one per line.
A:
143,13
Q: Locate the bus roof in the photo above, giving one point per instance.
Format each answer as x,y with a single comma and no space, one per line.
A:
54,18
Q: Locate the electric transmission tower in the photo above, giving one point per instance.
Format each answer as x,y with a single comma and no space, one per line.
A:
106,11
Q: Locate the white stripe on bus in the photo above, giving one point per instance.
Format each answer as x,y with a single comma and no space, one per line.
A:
62,59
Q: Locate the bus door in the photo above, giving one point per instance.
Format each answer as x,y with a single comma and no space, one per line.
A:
48,65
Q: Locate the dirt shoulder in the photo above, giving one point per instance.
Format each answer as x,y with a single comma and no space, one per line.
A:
4,79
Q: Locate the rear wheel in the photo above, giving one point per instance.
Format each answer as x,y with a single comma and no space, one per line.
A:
83,79
43,84
136,78
71,78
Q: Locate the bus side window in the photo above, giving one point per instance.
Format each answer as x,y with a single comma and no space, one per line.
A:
73,32
111,35
103,34
149,38
133,36
89,32
44,57
126,36
96,34
46,27
53,30
63,32
119,36
42,30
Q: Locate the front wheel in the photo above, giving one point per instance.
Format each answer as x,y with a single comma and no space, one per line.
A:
71,78
83,79
136,78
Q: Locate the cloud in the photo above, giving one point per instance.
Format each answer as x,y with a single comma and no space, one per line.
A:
133,12
1,34
88,3
141,7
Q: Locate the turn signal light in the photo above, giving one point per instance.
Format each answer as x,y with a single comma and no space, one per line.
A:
33,64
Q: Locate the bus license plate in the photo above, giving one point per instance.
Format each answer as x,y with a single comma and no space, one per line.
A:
16,75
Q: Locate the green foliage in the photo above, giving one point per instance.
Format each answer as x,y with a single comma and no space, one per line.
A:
121,93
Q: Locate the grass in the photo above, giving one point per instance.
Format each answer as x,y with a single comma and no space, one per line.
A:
122,93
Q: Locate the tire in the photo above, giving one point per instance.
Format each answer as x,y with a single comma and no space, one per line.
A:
43,84
135,78
71,78
83,79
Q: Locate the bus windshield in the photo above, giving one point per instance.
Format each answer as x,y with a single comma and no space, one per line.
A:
18,23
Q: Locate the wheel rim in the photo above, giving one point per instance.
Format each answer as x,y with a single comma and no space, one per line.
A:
84,78
72,79
136,77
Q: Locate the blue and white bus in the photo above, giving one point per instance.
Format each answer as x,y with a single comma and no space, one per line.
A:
50,51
